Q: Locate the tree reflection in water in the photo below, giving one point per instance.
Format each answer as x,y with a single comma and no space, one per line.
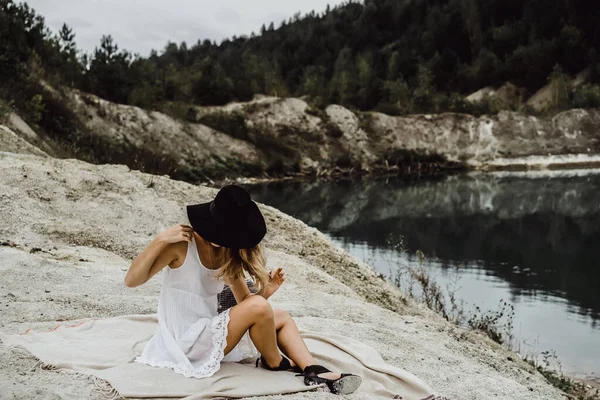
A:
540,235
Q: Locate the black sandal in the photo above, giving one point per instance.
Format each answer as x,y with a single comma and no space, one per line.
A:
345,384
284,365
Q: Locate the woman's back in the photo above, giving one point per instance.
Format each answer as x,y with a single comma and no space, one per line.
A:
188,293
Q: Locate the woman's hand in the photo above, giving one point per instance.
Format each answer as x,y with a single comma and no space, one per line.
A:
276,279
176,234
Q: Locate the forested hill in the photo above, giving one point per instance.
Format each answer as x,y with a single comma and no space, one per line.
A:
393,51
395,56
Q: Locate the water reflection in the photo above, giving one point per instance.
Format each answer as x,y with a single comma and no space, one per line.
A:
533,241
540,235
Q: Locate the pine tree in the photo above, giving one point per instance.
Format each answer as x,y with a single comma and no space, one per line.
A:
341,85
68,50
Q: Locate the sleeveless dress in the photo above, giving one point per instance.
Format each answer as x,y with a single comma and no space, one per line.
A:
191,336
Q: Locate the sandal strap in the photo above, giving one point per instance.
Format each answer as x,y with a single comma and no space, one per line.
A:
284,365
315,369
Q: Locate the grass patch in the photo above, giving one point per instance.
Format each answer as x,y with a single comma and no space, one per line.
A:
231,123
365,121
280,157
178,110
551,368
6,107
417,163
496,324
333,130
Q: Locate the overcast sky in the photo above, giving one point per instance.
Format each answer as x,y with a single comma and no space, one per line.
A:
142,25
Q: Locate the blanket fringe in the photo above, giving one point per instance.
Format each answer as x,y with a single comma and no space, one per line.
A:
100,386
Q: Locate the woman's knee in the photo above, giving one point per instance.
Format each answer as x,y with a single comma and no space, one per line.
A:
259,307
282,317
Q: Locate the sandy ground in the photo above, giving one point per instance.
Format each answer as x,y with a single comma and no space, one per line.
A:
70,230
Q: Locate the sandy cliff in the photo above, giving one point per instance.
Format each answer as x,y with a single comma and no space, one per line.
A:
275,136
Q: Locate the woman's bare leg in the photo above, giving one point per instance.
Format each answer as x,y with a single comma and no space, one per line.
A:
289,340
256,315
291,343
268,329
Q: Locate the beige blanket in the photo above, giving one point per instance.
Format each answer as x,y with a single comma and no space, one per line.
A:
104,349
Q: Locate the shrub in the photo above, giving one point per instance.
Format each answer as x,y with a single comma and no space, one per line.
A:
281,157
333,130
5,109
587,96
345,161
179,110
495,323
233,124
315,111
404,157
34,109
365,121
389,109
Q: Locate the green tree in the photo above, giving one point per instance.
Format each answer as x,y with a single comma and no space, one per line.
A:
572,49
393,67
559,83
274,84
368,84
72,71
213,86
313,83
470,13
342,84
423,94
109,74
399,95
360,54
529,65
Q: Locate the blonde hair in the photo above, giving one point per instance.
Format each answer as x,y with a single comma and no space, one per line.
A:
252,261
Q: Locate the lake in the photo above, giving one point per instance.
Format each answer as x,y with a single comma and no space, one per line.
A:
530,239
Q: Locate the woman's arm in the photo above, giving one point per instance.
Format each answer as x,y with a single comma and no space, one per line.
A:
276,279
159,253
240,290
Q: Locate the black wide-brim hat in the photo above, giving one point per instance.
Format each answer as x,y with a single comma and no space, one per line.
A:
231,220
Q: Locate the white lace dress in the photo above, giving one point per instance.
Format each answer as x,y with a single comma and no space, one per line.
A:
191,336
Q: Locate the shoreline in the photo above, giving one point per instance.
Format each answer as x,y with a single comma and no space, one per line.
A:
541,163
534,167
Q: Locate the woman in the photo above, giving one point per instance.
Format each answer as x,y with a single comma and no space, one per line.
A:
222,246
